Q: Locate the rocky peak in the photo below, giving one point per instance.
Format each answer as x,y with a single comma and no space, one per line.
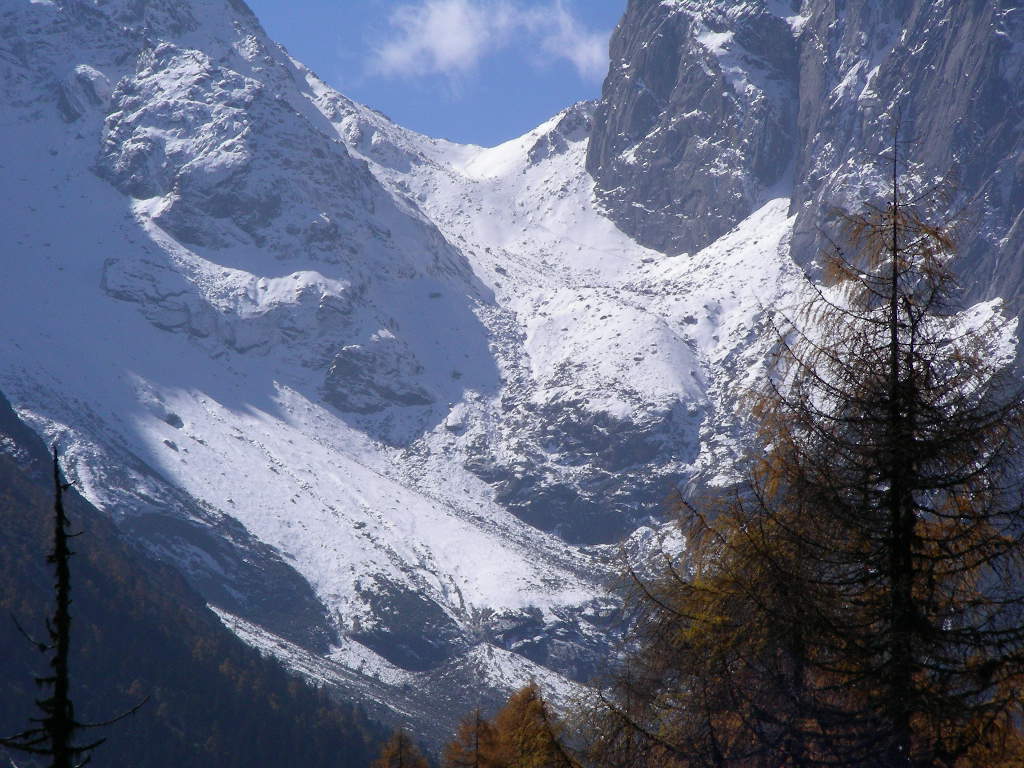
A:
697,119
710,104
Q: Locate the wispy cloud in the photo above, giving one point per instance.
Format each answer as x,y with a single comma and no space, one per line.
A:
588,51
452,37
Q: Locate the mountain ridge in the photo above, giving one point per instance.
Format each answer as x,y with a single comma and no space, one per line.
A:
389,399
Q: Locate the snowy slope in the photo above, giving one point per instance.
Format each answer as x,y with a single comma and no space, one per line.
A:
384,399
609,350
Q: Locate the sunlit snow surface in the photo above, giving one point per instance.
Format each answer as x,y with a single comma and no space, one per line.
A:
177,351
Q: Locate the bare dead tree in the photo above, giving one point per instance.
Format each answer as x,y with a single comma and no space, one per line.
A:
55,730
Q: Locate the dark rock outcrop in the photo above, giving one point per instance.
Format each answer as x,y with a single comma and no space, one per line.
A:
950,76
697,119
711,105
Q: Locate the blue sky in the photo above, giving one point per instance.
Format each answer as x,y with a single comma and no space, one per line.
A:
477,71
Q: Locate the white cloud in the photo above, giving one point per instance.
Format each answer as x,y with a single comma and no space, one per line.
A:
447,36
588,51
452,37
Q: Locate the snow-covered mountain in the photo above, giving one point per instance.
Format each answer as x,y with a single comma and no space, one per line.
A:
710,108
390,402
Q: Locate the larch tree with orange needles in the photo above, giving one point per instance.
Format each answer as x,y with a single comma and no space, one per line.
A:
860,601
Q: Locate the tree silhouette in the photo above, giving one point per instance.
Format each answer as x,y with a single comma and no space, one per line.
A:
55,729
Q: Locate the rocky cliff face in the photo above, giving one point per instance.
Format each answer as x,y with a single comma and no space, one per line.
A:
949,76
708,104
697,122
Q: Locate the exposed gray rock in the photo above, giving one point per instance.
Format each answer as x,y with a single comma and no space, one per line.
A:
575,643
234,571
585,475
370,377
950,74
575,124
697,119
709,104
214,143
407,628
563,466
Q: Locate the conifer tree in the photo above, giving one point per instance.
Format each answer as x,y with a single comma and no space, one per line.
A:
400,752
860,602
55,731
475,745
528,734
